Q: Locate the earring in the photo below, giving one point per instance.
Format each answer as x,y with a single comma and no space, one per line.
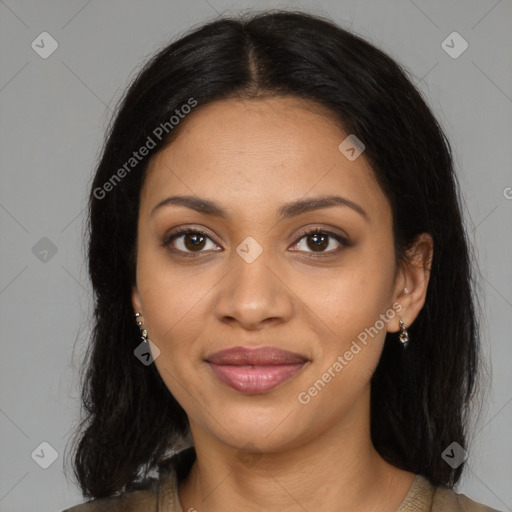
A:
404,335
143,332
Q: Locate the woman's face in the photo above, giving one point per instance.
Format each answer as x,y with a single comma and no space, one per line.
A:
255,280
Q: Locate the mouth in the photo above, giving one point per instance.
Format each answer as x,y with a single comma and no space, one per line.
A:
254,371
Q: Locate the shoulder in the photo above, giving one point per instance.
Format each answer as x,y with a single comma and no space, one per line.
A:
132,501
423,496
145,497
144,500
448,500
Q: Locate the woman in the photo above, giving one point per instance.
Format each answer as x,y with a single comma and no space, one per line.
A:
282,280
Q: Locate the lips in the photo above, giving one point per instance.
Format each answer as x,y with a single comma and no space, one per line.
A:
254,371
263,356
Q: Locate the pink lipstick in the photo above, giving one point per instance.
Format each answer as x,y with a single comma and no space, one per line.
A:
256,370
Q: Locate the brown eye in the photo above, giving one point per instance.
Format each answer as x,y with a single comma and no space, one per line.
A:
318,241
189,241
193,241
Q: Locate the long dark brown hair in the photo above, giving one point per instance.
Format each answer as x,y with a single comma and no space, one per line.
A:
420,396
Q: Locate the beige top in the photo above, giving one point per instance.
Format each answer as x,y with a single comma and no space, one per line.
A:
421,497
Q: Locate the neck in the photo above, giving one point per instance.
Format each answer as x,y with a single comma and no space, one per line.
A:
337,471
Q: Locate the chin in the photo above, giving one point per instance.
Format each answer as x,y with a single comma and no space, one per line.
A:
268,427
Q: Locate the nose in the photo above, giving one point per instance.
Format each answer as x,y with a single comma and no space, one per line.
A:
254,295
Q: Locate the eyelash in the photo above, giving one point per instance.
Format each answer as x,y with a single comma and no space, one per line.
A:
313,231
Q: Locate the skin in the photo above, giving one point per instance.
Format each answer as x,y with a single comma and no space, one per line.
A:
269,451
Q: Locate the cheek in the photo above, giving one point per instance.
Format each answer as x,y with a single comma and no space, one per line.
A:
174,302
175,323
347,299
172,296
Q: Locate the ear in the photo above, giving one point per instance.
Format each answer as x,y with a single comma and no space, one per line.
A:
136,302
414,275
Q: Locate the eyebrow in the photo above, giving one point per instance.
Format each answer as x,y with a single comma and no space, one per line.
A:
288,210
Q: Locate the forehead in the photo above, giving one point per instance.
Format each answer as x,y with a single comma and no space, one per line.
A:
284,129
266,151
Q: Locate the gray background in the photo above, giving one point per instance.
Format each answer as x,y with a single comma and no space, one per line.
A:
53,115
